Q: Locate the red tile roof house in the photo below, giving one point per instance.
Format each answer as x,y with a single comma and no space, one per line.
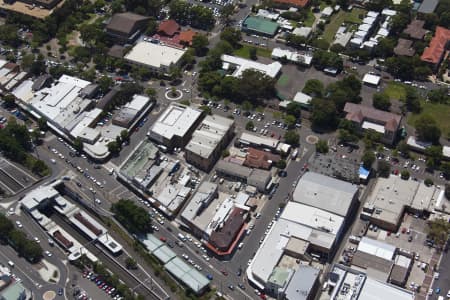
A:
260,159
168,28
187,36
291,3
381,121
435,52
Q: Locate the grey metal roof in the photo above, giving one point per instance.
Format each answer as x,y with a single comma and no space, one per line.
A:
302,283
428,6
325,193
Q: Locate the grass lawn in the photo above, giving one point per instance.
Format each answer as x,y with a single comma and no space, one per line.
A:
310,19
395,90
284,80
439,112
244,52
338,19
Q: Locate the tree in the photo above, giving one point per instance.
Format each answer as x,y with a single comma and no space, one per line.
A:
200,43
412,101
381,101
252,53
404,175
323,113
439,96
6,226
294,109
247,106
226,12
130,263
281,164
42,124
428,182
206,109
134,218
385,47
445,168
105,83
324,59
346,136
232,36
291,137
249,125
427,129
368,159
383,168
10,100
27,61
225,153
434,156
254,85
125,136
403,148
314,88
113,147
39,167
296,41
152,27
399,22
438,230
78,144
290,120
322,146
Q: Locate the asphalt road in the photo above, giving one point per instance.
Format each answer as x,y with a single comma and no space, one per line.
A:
444,277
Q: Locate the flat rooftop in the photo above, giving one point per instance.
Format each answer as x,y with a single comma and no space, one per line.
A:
261,24
154,55
242,64
390,195
275,243
312,217
27,9
176,120
353,284
208,135
259,140
199,202
324,192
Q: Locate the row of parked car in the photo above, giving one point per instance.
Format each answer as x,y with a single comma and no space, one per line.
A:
101,284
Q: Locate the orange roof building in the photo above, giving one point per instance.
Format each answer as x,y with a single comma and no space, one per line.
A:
434,53
168,27
292,3
187,36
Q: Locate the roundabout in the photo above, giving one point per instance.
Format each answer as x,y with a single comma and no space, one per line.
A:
312,139
49,295
174,95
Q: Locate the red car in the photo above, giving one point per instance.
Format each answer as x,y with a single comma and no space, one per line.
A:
262,296
163,239
224,272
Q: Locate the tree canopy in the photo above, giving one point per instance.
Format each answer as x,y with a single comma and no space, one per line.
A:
381,101
134,218
427,129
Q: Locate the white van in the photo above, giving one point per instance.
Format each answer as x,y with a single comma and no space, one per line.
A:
10,263
182,237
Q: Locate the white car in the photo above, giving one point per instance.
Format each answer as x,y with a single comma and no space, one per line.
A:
19,224
36,239
48,253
